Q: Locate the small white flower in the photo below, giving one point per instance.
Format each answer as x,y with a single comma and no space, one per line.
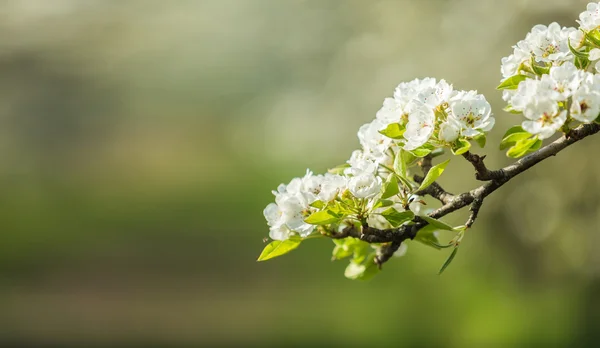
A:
420,126
472,113
391,112
436,95
590,19
331,186
360,164
527,93
279,233
562,81
594,54
407,91
545,118
293,209
577,39
372,141
549,43
585,106
511,64
364,186
449,131
274,215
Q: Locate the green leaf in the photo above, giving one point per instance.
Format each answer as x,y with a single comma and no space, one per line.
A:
448,260
581,63
513,139
593,37
390,187
512,82
513,129
461,146
539,70
383,203
340,209
393,130
536,146
433,174
426,235
403,158
400,164
512,135
317,204
522,147
420,152
581,55
437,223
323,217
339,169
508,108
362,271
437,152
278,248
396,218
480,139
350,246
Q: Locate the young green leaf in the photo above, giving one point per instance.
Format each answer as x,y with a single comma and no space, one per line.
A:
317,204
323,217
362,271
383,203
537,69
278,248
390,187
339,169
426,235
460,146
420,152
512,139
393,130
480,139
433,174
512,82
437,223
448,260
396,218
576,53
350,246
509,109
593,37
522,147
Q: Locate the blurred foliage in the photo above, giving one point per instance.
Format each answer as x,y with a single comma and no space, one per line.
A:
140,139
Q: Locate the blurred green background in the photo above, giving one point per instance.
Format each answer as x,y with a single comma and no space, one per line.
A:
139,142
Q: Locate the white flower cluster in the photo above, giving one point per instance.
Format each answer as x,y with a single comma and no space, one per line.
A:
431,113
558,82
424,113
292,202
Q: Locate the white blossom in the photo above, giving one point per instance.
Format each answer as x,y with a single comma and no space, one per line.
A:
545,118
585,106
332,186
449,131
511,64
364,186
590,18
472,113
549,43
420,126
391,112
360,164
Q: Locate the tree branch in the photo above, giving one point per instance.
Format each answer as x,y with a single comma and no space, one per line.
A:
434,190
494,180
